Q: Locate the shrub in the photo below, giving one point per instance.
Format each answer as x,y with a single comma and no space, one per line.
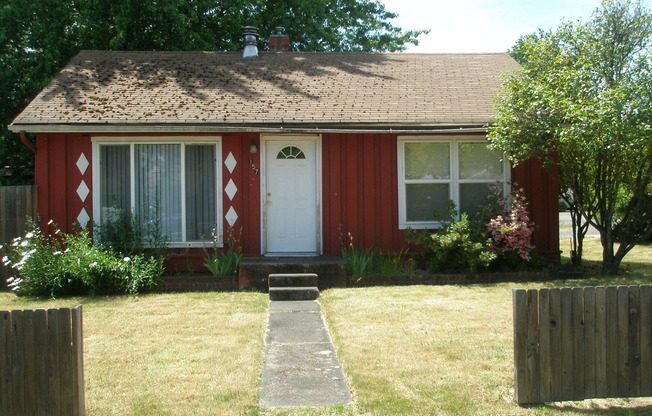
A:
500,235
70,264
511,231
454,248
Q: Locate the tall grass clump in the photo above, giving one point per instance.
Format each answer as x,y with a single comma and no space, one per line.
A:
370,261
225,261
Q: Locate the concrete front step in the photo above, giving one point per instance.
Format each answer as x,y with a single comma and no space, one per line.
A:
254,271
293,293
293,280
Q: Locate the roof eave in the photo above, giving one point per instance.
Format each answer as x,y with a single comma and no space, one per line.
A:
257,128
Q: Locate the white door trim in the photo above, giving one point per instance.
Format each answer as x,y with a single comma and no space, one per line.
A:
263,187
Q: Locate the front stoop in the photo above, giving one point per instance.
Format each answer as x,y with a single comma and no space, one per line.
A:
296,286
254,271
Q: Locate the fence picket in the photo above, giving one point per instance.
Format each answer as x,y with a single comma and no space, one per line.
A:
555,344
612,342
520,346
582,343
29,360
601,336
42,367
623,341
545,368
78,361
589,343
567,342
18,362
634,342
577,300
6,407
65,361
533,346
54,390
646,340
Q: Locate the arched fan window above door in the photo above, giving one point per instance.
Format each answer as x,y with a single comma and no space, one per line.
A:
290,152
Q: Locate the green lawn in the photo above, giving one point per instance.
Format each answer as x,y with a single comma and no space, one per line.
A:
411,350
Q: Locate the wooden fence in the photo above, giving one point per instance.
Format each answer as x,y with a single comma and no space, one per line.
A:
580,343
17,204
41,362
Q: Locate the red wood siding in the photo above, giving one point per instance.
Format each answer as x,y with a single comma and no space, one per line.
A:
541,188
360,195
360,191
246,201
58,178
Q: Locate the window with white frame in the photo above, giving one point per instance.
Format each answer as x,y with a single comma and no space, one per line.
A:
436,169
174,181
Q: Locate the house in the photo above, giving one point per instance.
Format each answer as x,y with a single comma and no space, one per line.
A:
292,150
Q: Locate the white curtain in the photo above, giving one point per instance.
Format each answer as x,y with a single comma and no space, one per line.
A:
158,186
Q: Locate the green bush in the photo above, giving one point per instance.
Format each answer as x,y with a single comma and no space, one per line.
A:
454,248
70,264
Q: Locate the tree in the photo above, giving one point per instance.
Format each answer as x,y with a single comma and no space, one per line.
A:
584,95
38,37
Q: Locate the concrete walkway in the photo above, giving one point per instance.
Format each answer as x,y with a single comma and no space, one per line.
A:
300,368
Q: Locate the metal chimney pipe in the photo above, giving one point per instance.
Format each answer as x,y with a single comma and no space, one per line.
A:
250,34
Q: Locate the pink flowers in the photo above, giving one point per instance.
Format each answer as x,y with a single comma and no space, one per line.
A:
512,231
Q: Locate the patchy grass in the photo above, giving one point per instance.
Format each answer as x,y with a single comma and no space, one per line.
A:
172,354
448,350
636,267
411,350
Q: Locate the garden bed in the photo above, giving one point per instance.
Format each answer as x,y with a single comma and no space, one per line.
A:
451,278
196,283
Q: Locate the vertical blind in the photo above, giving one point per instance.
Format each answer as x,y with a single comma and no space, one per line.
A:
162,173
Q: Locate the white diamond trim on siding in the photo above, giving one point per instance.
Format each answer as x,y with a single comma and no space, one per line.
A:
82,163
231,216
230,162
231,189
83,191
83,218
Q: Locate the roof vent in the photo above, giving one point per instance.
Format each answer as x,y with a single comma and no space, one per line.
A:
279,41
250,34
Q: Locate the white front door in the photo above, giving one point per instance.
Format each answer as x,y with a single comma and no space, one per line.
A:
291,196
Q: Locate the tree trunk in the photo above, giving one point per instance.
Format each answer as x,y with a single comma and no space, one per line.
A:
610,263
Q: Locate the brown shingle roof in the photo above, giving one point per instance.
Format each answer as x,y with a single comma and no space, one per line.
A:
155,88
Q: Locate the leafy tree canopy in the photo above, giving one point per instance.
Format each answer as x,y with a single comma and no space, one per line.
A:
584,94
38,37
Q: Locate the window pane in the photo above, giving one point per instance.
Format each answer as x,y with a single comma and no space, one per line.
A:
158,186
427,160
423,200
115,174
473,196
290,152
478,162
200,192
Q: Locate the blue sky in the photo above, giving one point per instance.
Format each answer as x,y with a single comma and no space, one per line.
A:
461,26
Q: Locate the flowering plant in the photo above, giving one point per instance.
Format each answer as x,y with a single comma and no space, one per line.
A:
511,231
70,264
